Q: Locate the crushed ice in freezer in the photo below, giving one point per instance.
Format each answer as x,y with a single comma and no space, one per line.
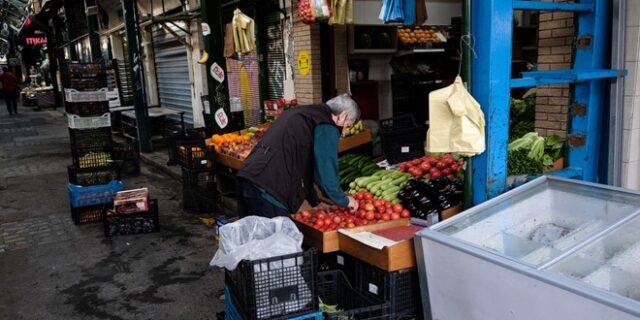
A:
548,233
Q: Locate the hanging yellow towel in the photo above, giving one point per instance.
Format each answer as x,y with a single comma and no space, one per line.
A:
243,32
456,122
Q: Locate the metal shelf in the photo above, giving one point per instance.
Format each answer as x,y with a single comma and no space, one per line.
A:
419,51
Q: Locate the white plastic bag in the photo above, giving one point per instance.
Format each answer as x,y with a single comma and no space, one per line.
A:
253,238
456,121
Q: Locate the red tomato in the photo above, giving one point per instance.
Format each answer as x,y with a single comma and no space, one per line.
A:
351,225
306,213
405,213
386,217
368,196
333,208
397,208
370,216
395,216
381,208
402,167
425,166
337,219
377,202
377,216
328,221
387,204
369,207
321,216
446,171
319,224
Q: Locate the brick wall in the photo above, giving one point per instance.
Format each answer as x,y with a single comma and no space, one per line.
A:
631,123
555,47
307,37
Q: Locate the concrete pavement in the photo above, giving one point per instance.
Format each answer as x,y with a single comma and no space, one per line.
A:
53,269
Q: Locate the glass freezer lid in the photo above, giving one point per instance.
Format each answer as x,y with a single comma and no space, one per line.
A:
537,222
611,262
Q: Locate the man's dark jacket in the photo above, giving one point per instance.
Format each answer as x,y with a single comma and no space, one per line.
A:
282,162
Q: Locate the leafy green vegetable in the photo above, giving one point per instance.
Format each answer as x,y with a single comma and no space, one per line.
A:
520,163
536,151
554,147
530,154
521,117
524,142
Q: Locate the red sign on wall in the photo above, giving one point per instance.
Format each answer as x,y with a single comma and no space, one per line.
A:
36,41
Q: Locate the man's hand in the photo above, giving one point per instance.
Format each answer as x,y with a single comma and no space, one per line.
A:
353,204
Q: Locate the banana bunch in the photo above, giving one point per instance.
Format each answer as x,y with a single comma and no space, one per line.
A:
355,128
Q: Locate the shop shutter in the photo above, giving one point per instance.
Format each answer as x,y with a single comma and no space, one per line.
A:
275,55
172,70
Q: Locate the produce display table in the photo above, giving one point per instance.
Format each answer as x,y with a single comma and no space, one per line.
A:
346,143
157,122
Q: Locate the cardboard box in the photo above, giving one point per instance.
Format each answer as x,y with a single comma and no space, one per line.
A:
131,201
397,256
446,214
355,140
557,165
325,242
328,241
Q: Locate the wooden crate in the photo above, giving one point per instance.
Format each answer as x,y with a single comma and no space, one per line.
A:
392,258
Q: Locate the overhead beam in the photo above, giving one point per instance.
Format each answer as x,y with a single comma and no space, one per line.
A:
552,6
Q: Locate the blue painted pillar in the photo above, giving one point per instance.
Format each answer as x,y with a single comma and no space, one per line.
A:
585,132
492,27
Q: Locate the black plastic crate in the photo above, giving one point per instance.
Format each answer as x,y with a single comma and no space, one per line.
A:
90,138
174,139
199,193
195,156
92,157
338,261
128,156
402,139
130,224
76,70
126,151
334,289
86,109
278,287
93,176
89,214
94,83
400,288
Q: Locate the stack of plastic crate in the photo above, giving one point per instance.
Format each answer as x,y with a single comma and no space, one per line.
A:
94,178
198,180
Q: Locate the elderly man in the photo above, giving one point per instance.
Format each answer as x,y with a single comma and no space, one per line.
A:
299,149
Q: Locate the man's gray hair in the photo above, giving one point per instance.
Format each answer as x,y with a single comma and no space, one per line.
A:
344,103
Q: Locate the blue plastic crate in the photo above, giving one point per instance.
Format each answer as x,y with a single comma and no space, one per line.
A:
231,313
81,196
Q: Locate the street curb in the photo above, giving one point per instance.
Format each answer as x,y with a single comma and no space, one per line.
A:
162,167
